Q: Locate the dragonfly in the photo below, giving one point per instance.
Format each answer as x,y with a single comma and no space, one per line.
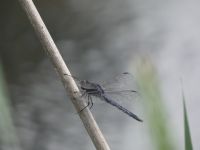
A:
92,89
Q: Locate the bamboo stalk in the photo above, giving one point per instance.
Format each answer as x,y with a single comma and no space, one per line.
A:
68,82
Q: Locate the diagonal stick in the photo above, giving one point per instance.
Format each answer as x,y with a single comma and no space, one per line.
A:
61,68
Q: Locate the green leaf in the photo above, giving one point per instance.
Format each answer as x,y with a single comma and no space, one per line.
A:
154,107
188,141
8,136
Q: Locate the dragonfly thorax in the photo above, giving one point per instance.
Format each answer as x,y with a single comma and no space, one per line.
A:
91,88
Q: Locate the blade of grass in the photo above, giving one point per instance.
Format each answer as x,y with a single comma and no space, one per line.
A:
8,138
154,107
188,141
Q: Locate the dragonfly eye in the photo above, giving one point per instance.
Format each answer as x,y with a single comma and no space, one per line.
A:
84,83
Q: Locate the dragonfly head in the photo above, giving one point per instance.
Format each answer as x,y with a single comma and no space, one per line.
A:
85,84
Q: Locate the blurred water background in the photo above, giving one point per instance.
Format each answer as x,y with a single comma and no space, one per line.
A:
98,40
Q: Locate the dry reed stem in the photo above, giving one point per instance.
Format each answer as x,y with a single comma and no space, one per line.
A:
68,82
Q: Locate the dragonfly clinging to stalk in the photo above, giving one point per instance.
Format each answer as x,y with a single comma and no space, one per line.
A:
91,89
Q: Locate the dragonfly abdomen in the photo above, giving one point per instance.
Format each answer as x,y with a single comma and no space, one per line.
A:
113,103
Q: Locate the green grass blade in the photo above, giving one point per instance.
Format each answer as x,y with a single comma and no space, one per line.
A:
154,107
8,138
188,141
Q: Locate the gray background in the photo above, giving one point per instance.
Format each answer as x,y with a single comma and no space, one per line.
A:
98,40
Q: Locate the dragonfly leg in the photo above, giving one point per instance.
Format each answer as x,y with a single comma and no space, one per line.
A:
83,94
88,103
90,98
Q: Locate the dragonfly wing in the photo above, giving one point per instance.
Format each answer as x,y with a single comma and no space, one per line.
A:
122,82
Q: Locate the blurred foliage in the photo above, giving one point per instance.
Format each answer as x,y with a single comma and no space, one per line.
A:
188,141
154,106
8,138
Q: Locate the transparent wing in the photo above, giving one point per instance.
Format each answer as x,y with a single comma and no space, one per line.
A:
123,82
122,88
